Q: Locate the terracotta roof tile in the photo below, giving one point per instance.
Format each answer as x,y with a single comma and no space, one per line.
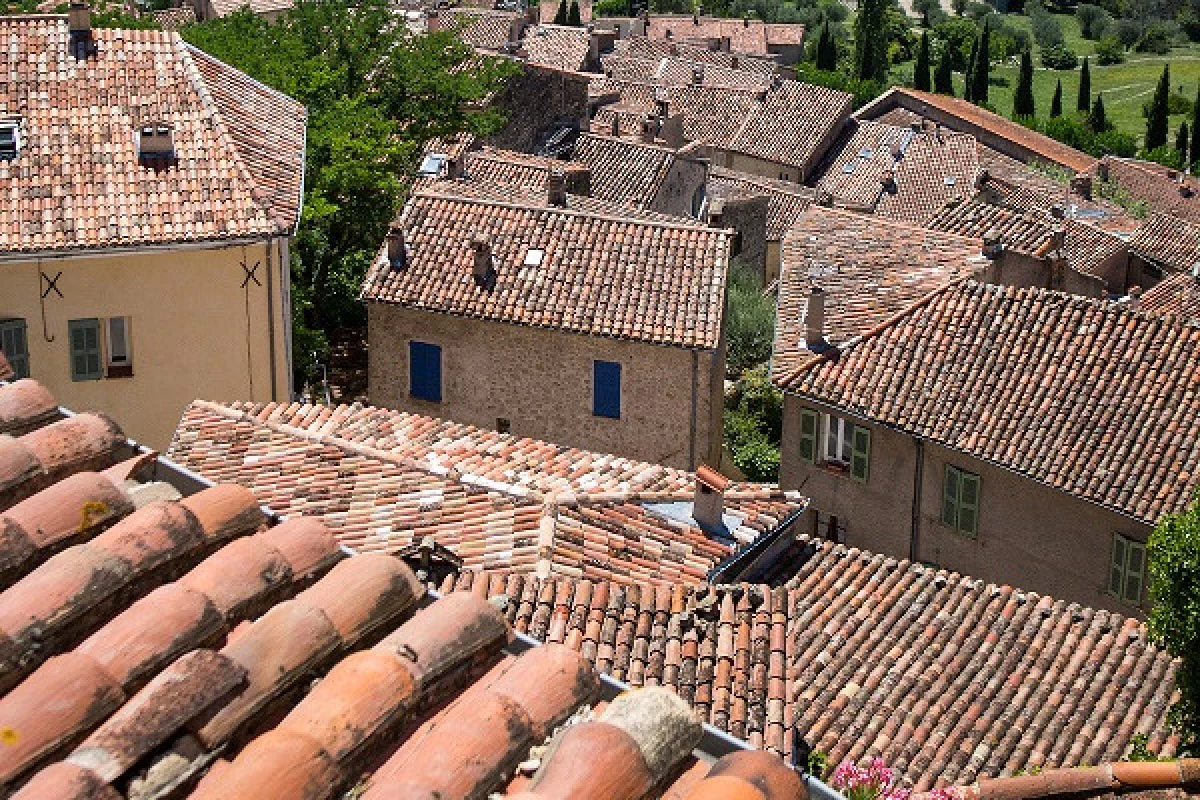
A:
39,458
483,29
791,124
1162,189
656,49
237,144
785,201
1178,294
711,114
625,172
24,405
172,19
557,46
746,36
684,263
1169,241
1134,463
521,170
67,782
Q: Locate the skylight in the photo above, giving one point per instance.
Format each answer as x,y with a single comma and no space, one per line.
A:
10,139
533,257
431,167
848,167
866,152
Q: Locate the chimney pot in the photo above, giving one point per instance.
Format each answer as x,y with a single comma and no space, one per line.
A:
397,253
814,321
1081,185
708,505
556,187
484,270
79,19
716,212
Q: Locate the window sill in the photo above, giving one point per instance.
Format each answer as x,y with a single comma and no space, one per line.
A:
835,468
119,371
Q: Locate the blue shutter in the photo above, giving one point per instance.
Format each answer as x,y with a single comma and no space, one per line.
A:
606,389
425,371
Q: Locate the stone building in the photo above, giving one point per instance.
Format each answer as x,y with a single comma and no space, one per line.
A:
590,328
1018,434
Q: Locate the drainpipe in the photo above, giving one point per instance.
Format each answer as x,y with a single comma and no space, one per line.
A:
918,478
271,320
695,406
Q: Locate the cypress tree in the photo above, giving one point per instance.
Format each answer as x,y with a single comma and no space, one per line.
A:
870,43
1156,121
560,16
1181,142
921,75
943,76
826,50
573,18
1097,119
1023,103
979,81
1056,102
1195,148
1084,101
969,74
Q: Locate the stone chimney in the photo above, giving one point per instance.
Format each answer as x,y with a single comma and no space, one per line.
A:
484,268
716,213
708,506
993,245
1134,300
814,321
981,179
450,169
556,188
1081,185
433,22
650,129
397,253
888,181
662,101
698,75
79,20
734,62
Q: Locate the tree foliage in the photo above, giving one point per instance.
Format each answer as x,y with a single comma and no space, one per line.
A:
1174,623
827,51
1098,117
943,76
1083,101
981,67
573,17
750,320
560,16
1157,116
374,95
870,41
754,425
1023,103
1194,150
921,78
1056,101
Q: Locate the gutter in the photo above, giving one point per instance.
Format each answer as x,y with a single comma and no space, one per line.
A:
914,544
105,252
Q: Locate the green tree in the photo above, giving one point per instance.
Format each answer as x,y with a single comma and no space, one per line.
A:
573,18
959,7
969,72
1056,101
560,16
1181,142
979,81
1083,101
1174,623
921,79
827,54
870,42
1194,151
1097,117
374,95
1023,103
943,76
1157,118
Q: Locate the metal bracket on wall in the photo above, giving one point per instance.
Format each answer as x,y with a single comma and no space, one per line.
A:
47,285
251,273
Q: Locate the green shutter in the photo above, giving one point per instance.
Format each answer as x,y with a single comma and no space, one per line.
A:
860,454
1116,577
84,335
15,346
1134,569
808,436
968,504
950,496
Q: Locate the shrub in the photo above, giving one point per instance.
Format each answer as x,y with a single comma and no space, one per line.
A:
1109,50
957,34
1129,31
1114,143
1094,21
751,320
754,425
1047,30
1158,38
1059,56
1176,104
1164,154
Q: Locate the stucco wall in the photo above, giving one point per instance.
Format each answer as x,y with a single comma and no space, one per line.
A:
541,381
675,194
747,216
1030,535
194,331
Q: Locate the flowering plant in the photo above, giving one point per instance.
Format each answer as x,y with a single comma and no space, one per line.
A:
877,781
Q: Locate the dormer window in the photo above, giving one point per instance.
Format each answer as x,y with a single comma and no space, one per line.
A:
10,139
156,145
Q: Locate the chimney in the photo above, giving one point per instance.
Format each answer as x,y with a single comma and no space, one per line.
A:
993,244
698,75
484,269
716,213
814,321
616,125
397,253
745,22
708,506
650,129
981,179
662,100
725,44
450,170
1058,211
556,188
1134,300
433,22
888,180
734,62
1081,185
79,20
156,145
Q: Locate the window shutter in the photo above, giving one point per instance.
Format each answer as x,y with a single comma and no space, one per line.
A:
860,455
968,503
606,389
1135,567
14,343
808,436
1116,576
425,371
84,337
950,496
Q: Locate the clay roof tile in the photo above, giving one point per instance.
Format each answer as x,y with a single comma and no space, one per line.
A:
65,781
24,405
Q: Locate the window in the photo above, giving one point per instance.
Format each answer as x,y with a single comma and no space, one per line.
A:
839,439
10,139
120,362
1128,573
85,349
830,439
606,389
960,501
425,371
809,420
15,345
503,425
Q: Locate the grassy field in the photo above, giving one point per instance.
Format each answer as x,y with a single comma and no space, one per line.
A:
1126,87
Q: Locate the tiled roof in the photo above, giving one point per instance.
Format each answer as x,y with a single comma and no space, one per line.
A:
784,33
672,291
980,122
625,172
239,147
947,678
223,8
483,29
1168,240
681,72
926,169
1117,431
383,480
1176,294
654,49
870,269
790,124
712,115
557,46
1162,189
522,170
746,36
1167,779
785,201
172,19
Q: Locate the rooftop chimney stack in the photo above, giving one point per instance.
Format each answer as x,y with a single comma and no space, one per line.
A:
484,268
433,22
556,188
1081,185
888,179
716,213
993,245
708,506
79,31
1135,298
397,253
814,321
450,169
698,75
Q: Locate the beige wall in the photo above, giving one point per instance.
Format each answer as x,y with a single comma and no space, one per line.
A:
680,185
541,380
194,331
1030,535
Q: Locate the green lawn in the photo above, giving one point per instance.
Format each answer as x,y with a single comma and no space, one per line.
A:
1126,87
